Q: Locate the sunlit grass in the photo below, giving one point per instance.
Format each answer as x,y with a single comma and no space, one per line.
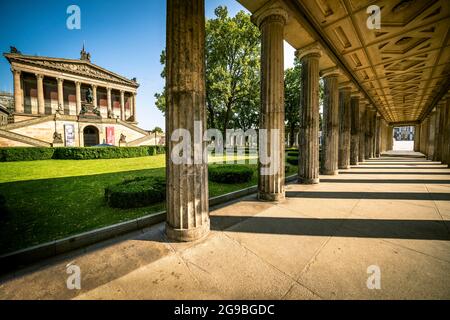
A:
52,199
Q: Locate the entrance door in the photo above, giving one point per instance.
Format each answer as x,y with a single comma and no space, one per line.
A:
91,137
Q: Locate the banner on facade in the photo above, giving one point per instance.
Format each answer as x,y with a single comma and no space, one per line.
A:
69,133
110,135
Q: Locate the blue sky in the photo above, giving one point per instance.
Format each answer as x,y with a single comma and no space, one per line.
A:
125,37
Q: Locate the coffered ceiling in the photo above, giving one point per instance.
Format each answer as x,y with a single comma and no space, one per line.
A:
402,67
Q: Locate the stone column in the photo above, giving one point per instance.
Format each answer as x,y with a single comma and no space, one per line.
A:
445,132
40,93
60,94
187,180
437,134
417,138
373,129
377,135
94,95
122,105
330,123
424,137
442,121
431,134
362,131
271,21
354,130
368,129
344,125
390,138
78,97
308,164
134,106
109,102
18,92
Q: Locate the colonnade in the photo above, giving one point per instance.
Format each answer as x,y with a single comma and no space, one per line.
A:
353,131
432,134
19,94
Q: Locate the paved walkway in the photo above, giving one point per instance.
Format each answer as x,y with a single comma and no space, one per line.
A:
392,212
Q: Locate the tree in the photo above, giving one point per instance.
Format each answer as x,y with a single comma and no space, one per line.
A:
292,86
232,71
157,130
292,90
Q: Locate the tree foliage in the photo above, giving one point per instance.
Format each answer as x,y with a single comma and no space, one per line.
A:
292,86
232,71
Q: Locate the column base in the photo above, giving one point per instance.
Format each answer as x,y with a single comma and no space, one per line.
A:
187,235
344,167
329,172
263,196
308,181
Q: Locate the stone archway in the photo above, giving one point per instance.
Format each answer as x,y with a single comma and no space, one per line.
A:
90,136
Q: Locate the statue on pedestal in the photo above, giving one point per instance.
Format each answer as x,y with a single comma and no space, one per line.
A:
89,96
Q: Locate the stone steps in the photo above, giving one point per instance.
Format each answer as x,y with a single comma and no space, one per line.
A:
23,139
140,140
30,122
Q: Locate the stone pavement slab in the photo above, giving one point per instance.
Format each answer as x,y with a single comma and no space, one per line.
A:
316,244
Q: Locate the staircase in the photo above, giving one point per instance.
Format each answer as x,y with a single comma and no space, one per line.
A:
140,140
26,123
23,139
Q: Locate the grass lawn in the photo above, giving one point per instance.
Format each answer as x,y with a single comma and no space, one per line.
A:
52,199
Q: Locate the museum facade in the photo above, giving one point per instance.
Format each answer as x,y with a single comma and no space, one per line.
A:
70,102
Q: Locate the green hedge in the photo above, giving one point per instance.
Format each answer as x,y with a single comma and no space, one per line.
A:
292,160
25,154
69,153
232,173
136,193
292,154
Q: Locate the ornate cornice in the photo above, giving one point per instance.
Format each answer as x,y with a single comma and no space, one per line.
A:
77,67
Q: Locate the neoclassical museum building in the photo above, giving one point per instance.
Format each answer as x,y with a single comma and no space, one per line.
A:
69,102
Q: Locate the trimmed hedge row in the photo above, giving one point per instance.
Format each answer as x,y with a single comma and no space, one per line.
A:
232,173
25,154
76,153
135,193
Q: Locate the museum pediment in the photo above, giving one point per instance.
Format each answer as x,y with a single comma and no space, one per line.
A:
78,67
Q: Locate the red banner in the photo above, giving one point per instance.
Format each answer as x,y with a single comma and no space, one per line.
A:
110,135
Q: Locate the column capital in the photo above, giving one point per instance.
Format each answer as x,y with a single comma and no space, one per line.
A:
108,89
15,70
330,72
94,86
312,50
78,83
356,94
346,86
273,9
60,80
39,76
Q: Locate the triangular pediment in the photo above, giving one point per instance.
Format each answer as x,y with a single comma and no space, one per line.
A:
78,67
